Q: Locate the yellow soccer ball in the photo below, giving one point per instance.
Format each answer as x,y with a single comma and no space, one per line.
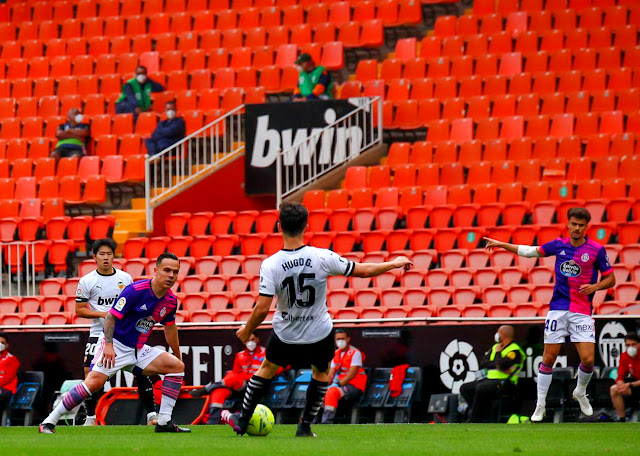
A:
262,421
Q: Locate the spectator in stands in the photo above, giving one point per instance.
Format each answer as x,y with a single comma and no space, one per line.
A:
9,366
352,379
167,132
504,362
136,94
314,82
245,364
626,391
72,136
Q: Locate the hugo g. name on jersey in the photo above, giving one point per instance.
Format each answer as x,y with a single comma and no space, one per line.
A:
101,292
299,280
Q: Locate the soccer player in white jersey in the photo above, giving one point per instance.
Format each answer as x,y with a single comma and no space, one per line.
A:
578,262
97,293
302,327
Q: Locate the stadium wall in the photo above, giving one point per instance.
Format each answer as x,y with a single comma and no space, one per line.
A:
447,353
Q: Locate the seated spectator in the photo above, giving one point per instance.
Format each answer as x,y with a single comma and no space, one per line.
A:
9,366
352,379
167,132
72,136
136,94
626,391
314,82
504,362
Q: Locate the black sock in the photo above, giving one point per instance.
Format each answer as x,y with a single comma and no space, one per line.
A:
315,400
145,392
256,388
91,402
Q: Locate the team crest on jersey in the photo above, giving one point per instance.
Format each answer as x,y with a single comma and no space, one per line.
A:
163,312
121,285
570,269
584,257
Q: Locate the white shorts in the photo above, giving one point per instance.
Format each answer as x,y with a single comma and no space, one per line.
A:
126,357
563,323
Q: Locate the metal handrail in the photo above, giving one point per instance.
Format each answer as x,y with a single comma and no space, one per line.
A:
367,117
191,158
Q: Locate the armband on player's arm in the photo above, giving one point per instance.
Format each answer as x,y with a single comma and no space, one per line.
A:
528,251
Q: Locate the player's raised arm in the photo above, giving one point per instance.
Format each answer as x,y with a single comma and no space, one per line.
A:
375,269
529,251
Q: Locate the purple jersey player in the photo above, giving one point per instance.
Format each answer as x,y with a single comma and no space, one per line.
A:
578,262
122,344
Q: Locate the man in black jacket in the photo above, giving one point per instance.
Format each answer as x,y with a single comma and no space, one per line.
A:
167,132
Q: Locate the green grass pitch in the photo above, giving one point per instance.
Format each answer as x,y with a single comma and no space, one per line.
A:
388,440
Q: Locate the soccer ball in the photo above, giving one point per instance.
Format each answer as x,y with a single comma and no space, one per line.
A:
262,421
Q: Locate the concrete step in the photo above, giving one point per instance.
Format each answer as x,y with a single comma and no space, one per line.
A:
138,203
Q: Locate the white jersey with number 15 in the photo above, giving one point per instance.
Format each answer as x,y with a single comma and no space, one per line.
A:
299,279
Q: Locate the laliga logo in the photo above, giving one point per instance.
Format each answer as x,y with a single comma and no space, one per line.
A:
611,343
333,142
457,365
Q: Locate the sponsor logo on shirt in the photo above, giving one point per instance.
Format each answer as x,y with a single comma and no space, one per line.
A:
163,312
144,325
584,257
106,301
570,269
291,318
563,253
144,307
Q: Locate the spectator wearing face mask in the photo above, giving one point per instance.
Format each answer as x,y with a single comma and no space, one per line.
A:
9,366
72,136
136,94
167,132
503,362
351,378
245,364
626,391
314,82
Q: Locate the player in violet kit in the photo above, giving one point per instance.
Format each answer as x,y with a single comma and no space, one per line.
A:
302,327
122,344
578,261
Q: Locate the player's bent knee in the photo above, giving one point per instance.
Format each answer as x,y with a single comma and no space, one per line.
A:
613,390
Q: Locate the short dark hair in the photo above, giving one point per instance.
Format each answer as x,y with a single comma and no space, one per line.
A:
165,255
629,336
341,331
106,242
580,213
6,337
142,67
293,218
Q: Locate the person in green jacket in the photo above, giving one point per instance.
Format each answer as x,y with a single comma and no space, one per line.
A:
314,82
503,362
136,94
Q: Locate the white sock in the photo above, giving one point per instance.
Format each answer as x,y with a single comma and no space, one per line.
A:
544,381
60,409
170,391
583,381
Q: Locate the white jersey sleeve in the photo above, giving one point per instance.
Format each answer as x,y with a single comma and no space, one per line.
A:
334,264
83,292
267,285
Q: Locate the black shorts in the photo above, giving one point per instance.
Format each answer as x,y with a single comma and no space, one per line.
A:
318,354
89,351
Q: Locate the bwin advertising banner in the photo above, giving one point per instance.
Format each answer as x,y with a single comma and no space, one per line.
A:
272,128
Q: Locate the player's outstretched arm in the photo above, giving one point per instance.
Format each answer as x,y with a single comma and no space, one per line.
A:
375,269
529,251
83,310
260,312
